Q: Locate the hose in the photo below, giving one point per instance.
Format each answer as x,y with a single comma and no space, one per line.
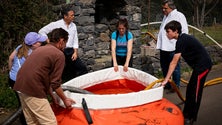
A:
75,89
151,35
208,83
171,83
13,117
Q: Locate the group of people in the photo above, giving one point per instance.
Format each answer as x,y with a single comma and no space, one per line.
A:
36,73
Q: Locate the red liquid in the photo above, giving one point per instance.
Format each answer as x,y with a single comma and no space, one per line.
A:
116,87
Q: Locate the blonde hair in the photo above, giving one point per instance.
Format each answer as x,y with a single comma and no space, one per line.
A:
23,51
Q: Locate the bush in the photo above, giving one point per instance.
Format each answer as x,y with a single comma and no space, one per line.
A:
18,17
8,98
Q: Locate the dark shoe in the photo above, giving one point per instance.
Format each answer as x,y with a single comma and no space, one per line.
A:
170,91
188,122
167,87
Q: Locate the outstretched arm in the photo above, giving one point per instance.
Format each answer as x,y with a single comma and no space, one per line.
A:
113,50
129,54
172,66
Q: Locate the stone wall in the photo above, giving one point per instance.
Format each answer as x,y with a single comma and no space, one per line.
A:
94,30
94,34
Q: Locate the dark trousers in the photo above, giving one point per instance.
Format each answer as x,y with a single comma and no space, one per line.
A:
165,59
21,117
121,60
73,68
194,94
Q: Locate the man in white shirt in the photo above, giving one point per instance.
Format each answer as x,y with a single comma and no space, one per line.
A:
166,46
74,66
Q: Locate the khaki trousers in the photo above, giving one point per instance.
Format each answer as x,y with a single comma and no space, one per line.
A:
37,111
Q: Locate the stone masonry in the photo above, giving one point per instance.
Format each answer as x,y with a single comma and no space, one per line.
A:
96,20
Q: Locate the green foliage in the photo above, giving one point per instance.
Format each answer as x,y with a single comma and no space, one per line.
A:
7,95
18,17
212,31
159,75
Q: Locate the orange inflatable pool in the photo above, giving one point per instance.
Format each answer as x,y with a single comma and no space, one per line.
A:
161,112
155,112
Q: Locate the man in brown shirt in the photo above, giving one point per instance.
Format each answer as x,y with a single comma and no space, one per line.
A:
40,74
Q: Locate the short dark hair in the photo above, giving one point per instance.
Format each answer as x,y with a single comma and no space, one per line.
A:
174,25
170,4
58,34
65,11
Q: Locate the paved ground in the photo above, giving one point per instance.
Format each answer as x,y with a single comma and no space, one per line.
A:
210,111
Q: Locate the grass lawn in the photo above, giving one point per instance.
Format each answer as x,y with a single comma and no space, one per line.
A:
214,32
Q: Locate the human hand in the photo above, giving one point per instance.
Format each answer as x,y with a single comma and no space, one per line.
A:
125,68
68,102
116,68
164,82
74,56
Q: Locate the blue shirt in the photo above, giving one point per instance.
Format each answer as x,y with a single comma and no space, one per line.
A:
121,43
17,63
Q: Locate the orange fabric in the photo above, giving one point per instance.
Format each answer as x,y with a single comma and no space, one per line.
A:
116,87
154,113
161,112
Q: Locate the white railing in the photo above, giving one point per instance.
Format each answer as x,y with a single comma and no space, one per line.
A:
193,27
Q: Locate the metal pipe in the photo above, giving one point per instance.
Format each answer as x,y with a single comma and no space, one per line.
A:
13,117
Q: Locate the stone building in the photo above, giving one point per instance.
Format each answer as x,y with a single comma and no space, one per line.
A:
96,20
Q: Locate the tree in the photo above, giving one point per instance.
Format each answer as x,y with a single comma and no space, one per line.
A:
201,9
19,17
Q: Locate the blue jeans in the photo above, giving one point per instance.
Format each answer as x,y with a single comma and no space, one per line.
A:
165,59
